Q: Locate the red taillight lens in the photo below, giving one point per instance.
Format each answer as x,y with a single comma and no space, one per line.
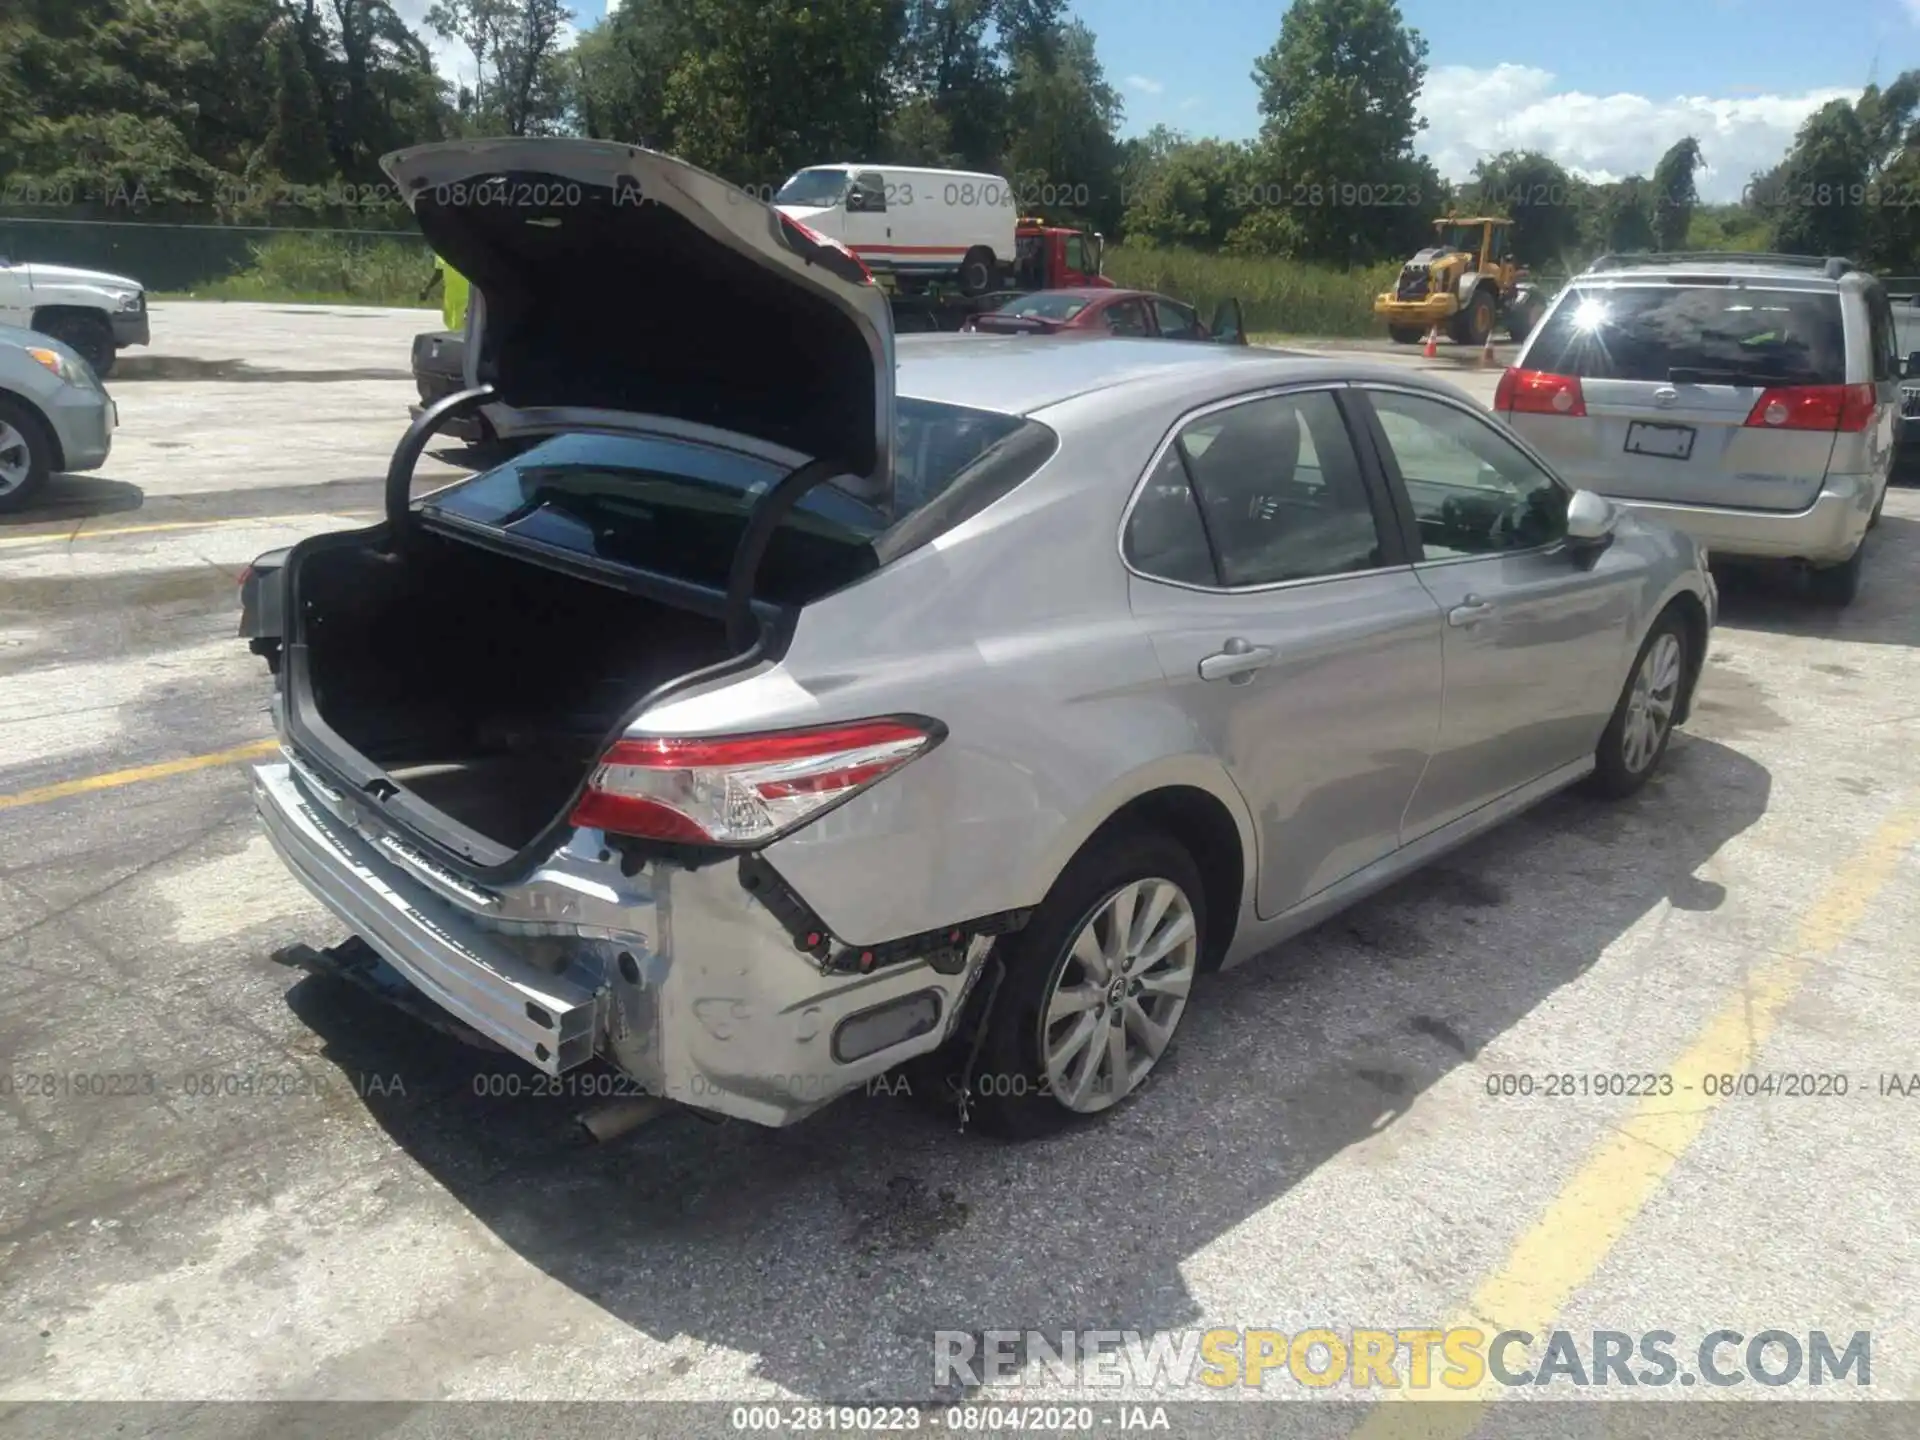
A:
1535,392
742,789
1814,407
829,243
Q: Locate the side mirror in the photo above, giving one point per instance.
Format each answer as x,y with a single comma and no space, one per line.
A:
856,201
1591,518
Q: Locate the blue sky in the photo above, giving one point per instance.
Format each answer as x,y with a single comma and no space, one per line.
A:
1602,88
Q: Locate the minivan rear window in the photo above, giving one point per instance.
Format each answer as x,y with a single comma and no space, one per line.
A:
1709,334
678,508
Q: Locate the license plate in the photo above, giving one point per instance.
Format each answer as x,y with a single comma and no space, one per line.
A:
1665,442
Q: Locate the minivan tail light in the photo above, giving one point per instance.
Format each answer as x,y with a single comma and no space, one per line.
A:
742,790
1537,392
1845,408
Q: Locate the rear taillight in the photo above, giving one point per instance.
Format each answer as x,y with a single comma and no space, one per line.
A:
1814,407
741,789
1535,392
827,242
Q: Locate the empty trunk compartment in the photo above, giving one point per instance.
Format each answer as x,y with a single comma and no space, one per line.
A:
484,684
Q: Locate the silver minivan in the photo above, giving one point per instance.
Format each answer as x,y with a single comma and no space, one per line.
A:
1750,400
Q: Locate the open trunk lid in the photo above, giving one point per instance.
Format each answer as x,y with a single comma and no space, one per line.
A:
614,284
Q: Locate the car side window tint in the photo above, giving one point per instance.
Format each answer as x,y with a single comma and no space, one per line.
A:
1474,492
1886,361
1165,538
1281,490
1176,320
1128,317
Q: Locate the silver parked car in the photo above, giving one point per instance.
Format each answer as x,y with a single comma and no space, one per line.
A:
1750,400
54,415
811,703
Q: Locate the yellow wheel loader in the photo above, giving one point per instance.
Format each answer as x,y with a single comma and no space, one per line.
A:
1466,282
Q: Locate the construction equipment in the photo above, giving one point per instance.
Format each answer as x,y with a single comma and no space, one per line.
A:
1467,281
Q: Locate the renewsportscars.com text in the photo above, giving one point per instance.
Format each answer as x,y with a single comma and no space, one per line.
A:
1456,1359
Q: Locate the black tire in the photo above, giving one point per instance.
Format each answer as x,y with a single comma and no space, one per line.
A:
1010,1092
1873,520
1521,322
1838,585
1481,314
976,271
1406,334
1615,776
37,441
86,334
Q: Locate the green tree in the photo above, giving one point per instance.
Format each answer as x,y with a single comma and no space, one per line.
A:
1338,100
1538,195
1674,193
1191,192
950,87
1061,154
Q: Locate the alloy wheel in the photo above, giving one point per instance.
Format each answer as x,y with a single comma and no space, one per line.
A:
1119,994
16,458
1656,689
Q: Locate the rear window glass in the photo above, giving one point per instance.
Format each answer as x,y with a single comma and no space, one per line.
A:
679,509
1711,334
1045,307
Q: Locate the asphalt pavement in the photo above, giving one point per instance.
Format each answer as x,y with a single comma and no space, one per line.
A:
219,1180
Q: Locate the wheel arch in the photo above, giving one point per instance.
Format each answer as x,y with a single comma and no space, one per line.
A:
1199,807
47,430
1692,611
52,312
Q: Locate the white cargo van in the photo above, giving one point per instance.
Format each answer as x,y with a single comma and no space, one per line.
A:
914,224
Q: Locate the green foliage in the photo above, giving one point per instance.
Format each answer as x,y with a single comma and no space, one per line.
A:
320,268
1674,195
1284,297
1544,202
1339,95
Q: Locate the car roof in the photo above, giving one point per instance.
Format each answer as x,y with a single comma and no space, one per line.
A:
1019,375
1770,271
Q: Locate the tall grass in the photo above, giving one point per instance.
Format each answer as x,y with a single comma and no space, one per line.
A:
330,268
1284,297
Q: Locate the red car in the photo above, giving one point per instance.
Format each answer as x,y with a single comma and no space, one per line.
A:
1109,312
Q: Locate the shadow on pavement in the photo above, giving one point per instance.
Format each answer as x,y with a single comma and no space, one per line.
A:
76,497
753,1239
1774,598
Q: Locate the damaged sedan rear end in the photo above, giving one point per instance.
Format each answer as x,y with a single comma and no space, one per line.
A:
537,735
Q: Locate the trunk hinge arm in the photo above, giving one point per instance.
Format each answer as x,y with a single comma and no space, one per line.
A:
406,455
767,514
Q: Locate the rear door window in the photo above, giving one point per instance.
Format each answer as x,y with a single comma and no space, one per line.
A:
1271,488
1698,334
1176,321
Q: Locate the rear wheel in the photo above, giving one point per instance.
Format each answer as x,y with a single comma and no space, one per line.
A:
26,454
1635,739
1478,320
1406,334
1838,585
1096,984
1522,319
976,271
86,334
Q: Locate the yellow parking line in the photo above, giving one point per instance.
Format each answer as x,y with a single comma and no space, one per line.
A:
67,537
114,778
1586,1219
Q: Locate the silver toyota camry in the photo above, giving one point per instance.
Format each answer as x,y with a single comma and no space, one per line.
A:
808,703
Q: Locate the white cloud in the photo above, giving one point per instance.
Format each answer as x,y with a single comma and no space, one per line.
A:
1471,113
1147,85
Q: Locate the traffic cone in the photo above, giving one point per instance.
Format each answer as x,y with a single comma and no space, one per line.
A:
1487,358
1433,343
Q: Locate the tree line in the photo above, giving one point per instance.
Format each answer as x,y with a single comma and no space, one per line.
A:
277,111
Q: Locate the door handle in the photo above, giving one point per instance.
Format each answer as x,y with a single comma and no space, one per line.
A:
1470,611
1236,661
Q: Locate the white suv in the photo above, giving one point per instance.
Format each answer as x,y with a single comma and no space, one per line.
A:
1752,401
